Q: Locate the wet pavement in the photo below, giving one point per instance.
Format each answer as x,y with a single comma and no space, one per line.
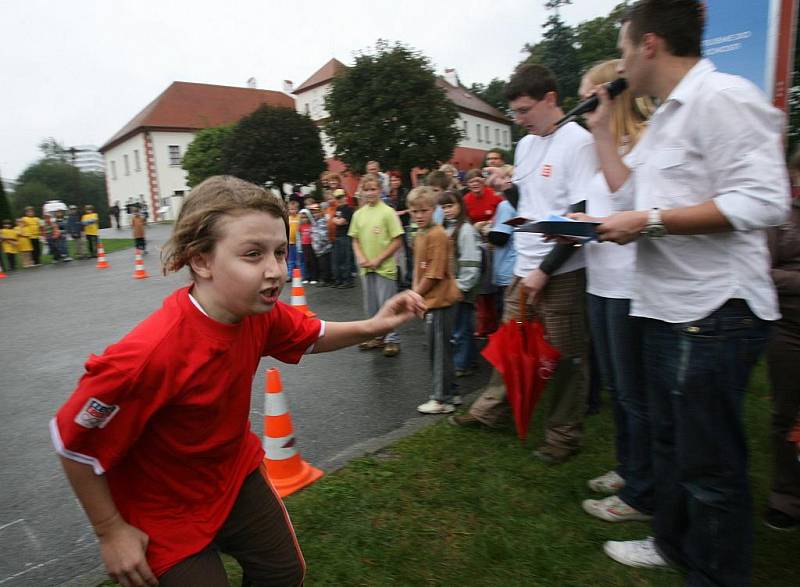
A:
343,404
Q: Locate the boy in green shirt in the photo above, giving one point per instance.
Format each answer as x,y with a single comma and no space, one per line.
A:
376,234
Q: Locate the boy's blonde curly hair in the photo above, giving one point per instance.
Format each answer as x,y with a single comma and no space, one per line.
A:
195,231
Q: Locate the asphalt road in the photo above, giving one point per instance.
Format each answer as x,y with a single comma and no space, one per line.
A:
52,317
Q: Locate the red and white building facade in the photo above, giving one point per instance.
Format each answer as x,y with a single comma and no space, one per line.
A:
143,159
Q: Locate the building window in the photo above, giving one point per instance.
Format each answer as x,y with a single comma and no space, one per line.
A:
486,130
478,129
466,129
307,109
497,136
113,170
126,164
174,155
137,166
505,138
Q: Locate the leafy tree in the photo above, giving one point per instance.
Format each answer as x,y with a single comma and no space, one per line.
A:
54,179
596,39
5,204
558,51
203,158
388,107
53,150
274,145
492,93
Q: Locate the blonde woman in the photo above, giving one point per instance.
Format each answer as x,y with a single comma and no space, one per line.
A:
616,335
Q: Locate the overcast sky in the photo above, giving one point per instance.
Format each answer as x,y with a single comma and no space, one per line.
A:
79,70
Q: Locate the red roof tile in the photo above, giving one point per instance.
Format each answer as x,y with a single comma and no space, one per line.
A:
189,106
324,74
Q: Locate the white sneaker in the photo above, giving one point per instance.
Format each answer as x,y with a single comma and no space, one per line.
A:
313,282
635,553
305,281
457,400
610,483
613,509
436,407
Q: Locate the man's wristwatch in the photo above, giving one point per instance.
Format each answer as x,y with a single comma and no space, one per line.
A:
655,227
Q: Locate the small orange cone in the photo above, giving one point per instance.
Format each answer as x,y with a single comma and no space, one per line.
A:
287,470
138,266
101,257
2,274
299,294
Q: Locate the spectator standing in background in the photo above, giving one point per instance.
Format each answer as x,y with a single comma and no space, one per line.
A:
90,228
783,361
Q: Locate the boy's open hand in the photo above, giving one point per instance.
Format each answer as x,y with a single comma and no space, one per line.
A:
398,309
123,550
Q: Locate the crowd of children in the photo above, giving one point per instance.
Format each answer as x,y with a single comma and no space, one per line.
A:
375,234
22,239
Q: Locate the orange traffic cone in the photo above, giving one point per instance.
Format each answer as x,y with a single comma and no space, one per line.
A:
101,257
2,274
299,294
287,470
138,266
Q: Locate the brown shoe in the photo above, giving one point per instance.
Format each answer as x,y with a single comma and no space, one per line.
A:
375,343
552,455
391,349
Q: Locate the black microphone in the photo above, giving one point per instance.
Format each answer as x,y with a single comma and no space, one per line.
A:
614,89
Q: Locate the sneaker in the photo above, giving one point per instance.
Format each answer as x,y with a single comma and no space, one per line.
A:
435,407
613,509
635,553
305,281
465,421
777,520
456,400
375,343
391,349
609,483
313,282
552,455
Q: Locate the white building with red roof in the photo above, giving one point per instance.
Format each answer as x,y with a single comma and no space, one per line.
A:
484,127
143,159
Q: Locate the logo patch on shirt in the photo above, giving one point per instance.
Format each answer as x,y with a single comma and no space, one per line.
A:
547,170
95,414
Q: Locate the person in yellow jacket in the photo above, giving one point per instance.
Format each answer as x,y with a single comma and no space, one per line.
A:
24,246
91,224
8,236
32,229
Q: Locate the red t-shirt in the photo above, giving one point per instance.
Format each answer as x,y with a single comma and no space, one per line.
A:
164,414
481,207
305,234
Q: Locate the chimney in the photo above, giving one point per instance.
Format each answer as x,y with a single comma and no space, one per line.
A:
252,83
288,86
451,77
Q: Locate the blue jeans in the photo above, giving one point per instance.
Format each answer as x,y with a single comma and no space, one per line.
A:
617,339
293,260
697,376
465,350
342,259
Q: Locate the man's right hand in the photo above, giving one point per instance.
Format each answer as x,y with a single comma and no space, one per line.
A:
123,548
599,120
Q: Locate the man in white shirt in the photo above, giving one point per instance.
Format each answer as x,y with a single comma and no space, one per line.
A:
551,170
707,178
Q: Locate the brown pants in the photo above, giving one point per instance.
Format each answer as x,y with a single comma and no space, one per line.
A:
561,309
258,534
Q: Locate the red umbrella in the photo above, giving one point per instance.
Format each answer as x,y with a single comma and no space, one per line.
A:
520,353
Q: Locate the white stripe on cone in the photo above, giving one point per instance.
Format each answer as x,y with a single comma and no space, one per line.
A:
279,449
275,404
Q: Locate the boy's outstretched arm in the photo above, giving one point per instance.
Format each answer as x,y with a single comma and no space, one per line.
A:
122,546
397,310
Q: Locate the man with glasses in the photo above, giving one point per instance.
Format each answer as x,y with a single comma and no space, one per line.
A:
550,169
